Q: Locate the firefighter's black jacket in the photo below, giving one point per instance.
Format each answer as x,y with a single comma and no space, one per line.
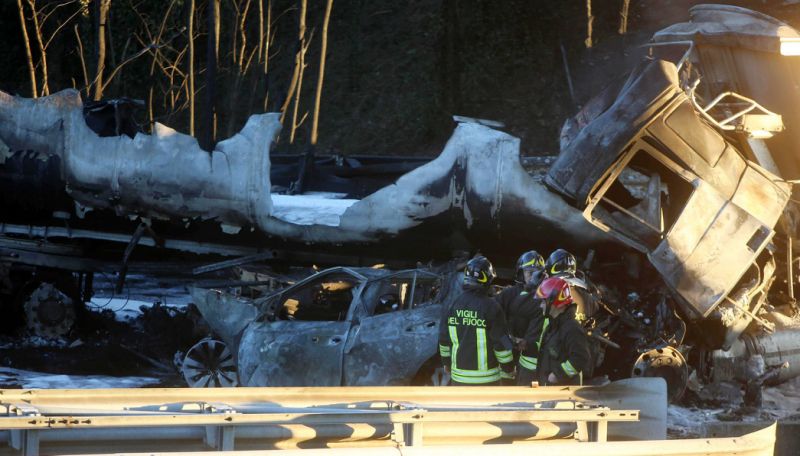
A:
521,307
508,294
473,339
558,346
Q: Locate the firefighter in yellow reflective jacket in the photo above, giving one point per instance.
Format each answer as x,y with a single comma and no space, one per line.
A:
473,340
557,351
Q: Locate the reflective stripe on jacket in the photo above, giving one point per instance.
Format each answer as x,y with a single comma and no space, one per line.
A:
564,351
473,339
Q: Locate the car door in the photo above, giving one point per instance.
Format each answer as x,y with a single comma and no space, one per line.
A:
390,340
304,347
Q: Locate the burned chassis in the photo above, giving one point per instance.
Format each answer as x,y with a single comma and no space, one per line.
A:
341,326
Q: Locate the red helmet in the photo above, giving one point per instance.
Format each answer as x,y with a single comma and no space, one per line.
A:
555,291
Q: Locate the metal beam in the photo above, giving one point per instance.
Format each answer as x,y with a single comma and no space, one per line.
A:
645,394
311,418
234,262
220,421
759,443
47,232
387,396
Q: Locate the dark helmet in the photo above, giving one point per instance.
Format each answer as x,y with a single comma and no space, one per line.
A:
479,273
561,263
530,260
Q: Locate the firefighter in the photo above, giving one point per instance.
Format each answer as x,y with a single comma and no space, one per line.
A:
473,340
517,301
562,264
558,352
528,263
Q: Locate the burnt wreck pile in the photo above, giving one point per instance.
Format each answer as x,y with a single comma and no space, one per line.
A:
674,186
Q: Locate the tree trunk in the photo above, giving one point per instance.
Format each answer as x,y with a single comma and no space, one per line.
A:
323,51
292,84
240,68
301,61
210,117
589,23
217,25
267,44
40,43
82,59
190,72
623,19
27,44
260,29
101,10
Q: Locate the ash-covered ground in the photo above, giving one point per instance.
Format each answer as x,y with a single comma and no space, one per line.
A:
136,339
123,340
692,416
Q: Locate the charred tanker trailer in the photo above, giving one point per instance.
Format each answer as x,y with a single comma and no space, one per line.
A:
676,167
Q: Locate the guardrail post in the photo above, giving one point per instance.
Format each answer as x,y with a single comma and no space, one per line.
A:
30,443
592,430
25,440
220,438
399,433
413,434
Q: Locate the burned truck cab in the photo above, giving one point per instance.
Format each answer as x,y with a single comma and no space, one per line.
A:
654,173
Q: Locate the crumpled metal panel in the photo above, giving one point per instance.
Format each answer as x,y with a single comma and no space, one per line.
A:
288,353
389,349
708,249
739,49
725,222
477,186
732,26
588,156
163,175
227,315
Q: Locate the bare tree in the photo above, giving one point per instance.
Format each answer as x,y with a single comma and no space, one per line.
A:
27,44
589,22
209,133
156,45
40,43
301,64
298,64
82,59
191,67
623,19
267,38
323,51
241,62
101,16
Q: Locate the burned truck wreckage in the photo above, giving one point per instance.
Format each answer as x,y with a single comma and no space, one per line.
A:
674,186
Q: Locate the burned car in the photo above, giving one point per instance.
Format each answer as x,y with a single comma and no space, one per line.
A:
340,326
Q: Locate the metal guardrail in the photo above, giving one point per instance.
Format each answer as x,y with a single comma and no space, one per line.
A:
759,443
27,425
189,419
